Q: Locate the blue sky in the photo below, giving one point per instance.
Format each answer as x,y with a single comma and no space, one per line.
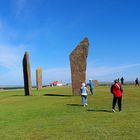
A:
50,29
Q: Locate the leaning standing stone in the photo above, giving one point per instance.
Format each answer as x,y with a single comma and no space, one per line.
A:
78,61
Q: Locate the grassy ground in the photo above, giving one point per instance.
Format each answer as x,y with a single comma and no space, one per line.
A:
53,114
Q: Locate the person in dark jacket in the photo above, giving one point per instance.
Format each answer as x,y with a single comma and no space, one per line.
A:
117,91
122,81
136,82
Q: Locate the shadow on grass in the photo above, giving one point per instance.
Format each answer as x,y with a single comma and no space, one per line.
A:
59,95
74,104
99,110
18,95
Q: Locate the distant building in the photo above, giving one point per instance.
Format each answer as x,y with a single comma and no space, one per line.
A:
57,83
96,83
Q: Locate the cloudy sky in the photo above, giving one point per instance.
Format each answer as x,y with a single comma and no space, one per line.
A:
50,29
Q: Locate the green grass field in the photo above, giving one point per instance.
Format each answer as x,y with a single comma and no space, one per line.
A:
53,114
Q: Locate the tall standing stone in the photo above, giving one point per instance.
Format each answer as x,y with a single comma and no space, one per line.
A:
27,75
78,61
39,78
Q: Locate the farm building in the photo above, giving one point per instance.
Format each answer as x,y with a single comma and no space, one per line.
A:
57,83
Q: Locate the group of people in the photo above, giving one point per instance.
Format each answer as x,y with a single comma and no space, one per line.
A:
116,90
122,81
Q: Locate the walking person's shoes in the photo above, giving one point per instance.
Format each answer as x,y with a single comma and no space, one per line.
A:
113,110
85,105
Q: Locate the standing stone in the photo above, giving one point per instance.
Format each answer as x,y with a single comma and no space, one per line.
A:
78,61
27,75
39,78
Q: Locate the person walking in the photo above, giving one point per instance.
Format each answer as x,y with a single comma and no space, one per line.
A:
117,91
91,85
84,93
122,81
136,82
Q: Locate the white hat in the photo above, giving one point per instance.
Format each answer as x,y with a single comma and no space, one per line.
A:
83,84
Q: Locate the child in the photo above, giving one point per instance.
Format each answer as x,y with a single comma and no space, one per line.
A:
84,93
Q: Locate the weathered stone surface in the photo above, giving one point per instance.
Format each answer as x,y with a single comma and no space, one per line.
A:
27,75
39,78
78,61
96,83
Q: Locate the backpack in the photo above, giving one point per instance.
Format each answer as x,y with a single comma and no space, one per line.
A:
111,89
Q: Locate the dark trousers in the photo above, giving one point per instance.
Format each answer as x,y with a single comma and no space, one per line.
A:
115,99
91,91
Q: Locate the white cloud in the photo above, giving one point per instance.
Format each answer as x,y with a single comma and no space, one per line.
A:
11,64
11,60
101,73
60,74
12,77
11,56
109,73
